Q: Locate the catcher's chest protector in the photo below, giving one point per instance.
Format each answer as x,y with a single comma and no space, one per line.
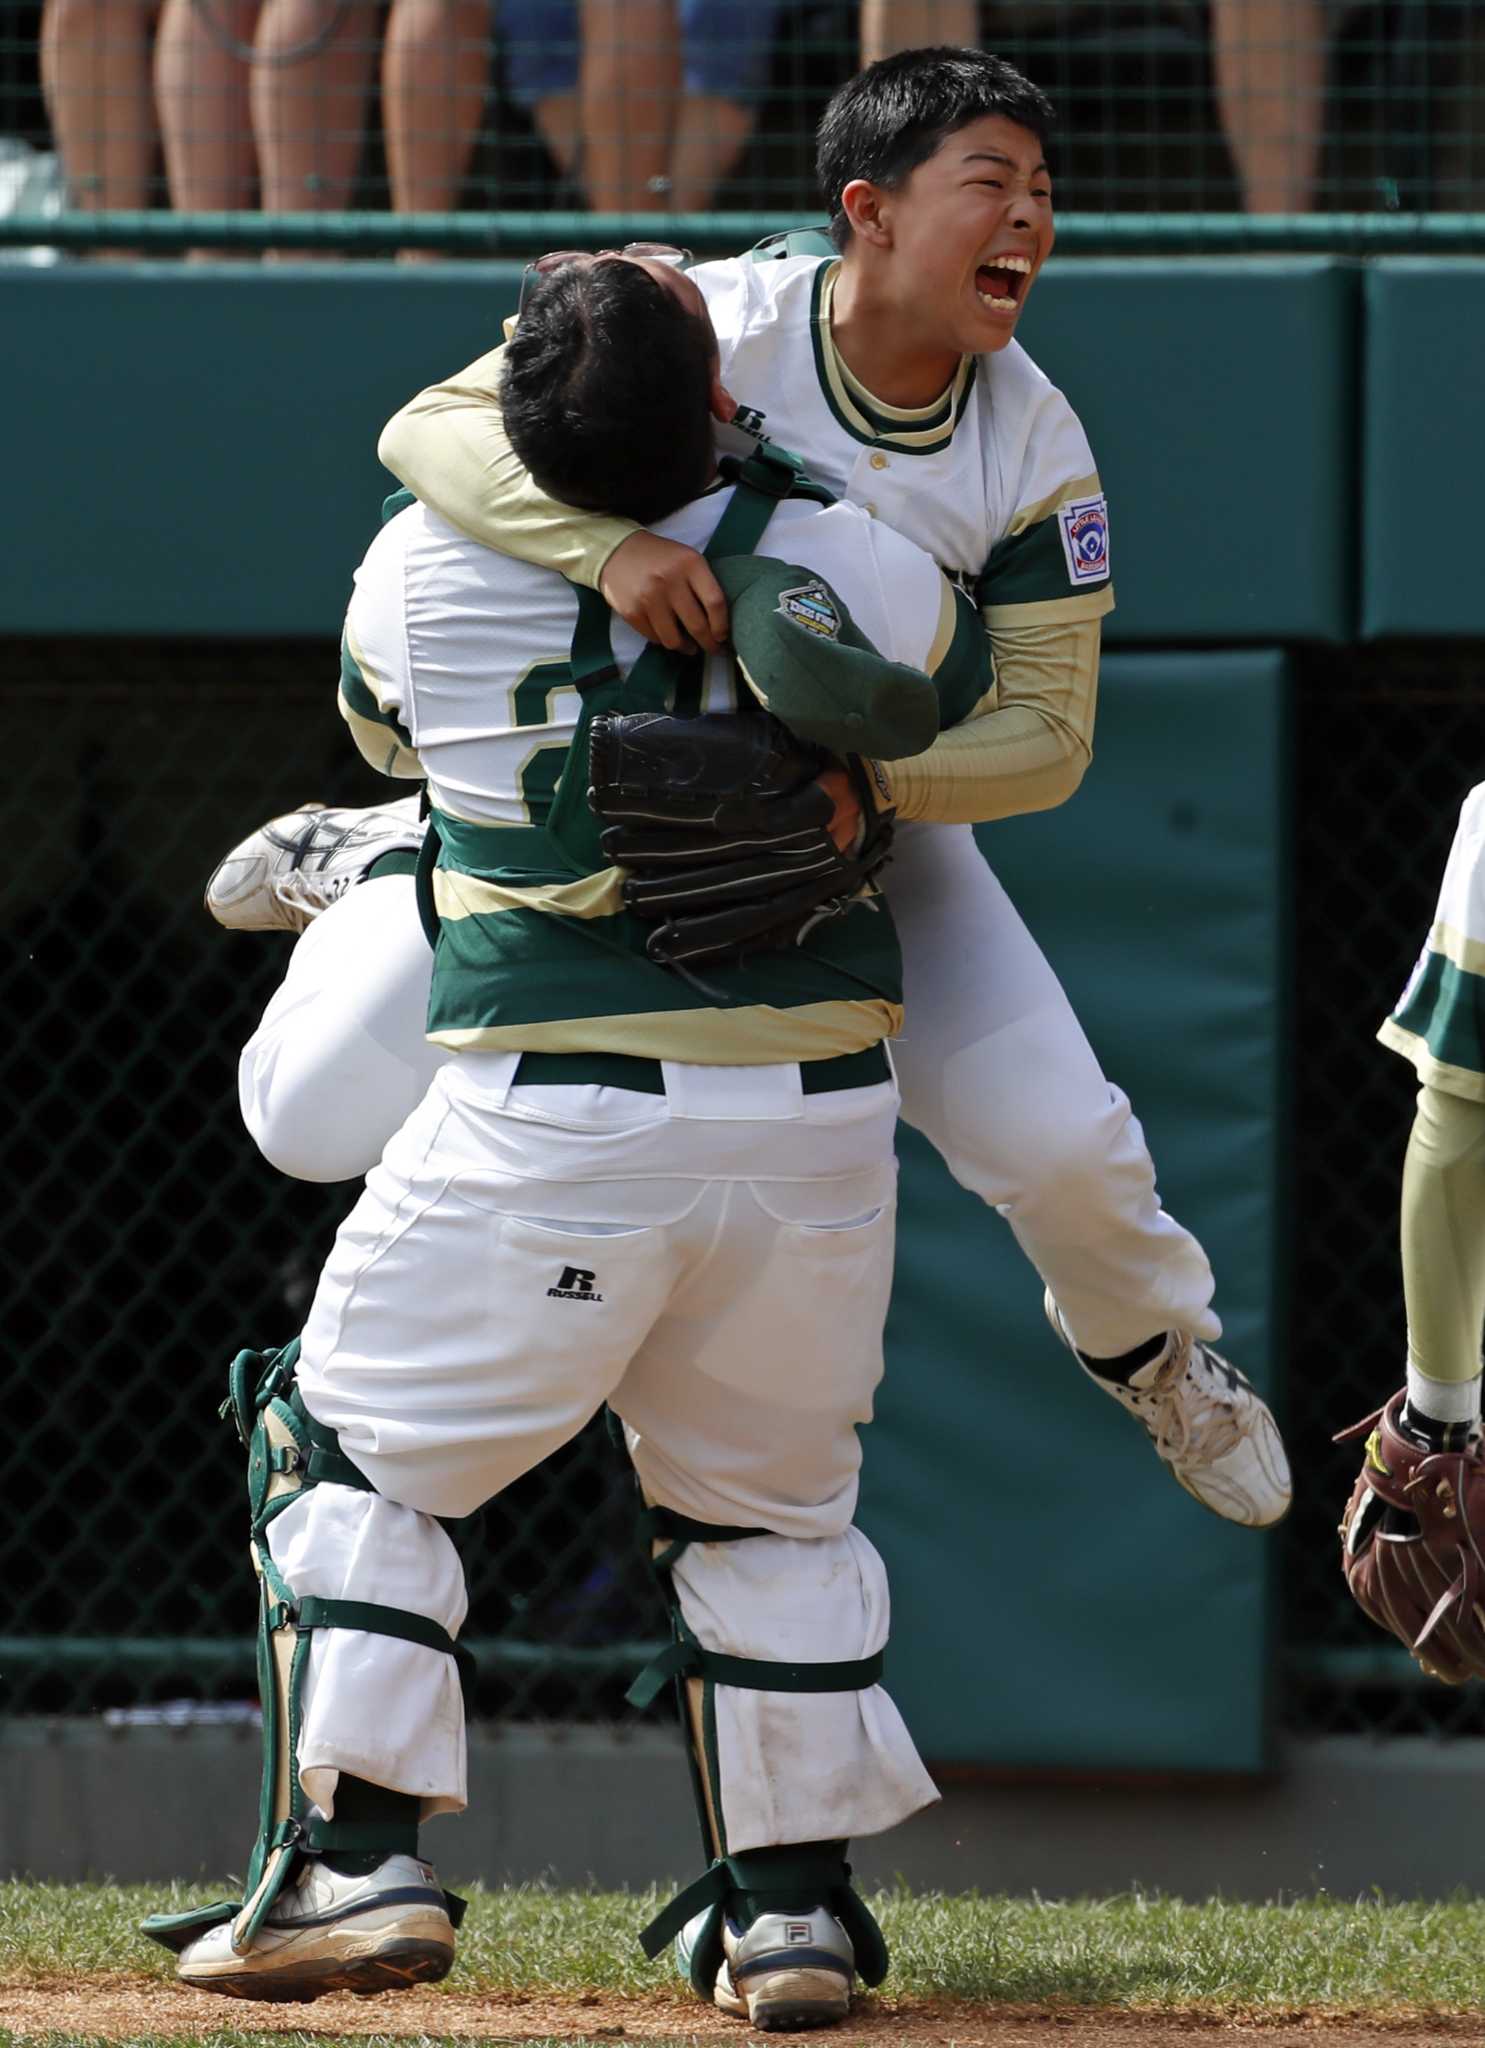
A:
659,680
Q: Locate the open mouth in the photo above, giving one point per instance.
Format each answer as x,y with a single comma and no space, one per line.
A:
1001,283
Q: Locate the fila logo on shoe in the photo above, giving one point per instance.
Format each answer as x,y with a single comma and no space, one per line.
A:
797,1932
576,1284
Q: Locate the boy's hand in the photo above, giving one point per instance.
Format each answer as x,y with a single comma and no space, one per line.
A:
667,592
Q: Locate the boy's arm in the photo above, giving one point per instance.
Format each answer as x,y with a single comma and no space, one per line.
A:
449,446
1021,742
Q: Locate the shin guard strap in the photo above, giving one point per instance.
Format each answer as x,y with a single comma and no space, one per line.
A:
817,1872
754,1674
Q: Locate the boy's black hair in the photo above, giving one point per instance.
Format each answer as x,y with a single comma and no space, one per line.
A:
607,391
900,111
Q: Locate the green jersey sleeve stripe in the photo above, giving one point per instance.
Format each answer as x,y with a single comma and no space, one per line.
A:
1029,568
1445,1008
359,697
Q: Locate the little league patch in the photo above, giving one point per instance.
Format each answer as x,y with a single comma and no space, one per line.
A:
1084,526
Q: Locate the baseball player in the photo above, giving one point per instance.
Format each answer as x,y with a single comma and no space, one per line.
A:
656,1174
1412,1534
1437,1025
894,369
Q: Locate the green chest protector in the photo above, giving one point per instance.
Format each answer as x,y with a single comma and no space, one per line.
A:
659,680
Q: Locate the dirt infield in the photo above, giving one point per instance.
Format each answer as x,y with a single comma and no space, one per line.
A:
125,2007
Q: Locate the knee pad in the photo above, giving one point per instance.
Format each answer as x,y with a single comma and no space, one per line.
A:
287,1452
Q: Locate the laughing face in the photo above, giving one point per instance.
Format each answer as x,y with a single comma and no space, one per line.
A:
969,231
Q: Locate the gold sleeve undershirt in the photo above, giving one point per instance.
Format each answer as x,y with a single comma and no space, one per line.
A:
1026,746
449,446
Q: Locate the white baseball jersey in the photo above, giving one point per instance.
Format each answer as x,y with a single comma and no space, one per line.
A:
1000,455
464,652
995,479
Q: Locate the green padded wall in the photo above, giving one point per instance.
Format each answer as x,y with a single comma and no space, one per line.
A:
1219,395
1424,443
1057,1600
196,450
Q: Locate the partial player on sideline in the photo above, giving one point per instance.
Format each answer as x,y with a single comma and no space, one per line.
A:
1413,1535
657,1173
893,369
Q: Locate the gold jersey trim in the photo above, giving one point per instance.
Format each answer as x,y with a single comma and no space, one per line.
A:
1457,946
1436,1073
756,1035
914,430
1043,508
457,895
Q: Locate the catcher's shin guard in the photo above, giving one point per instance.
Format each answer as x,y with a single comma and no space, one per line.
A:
287,1452
777,1934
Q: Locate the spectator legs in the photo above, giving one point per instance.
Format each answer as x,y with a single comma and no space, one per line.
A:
95,73
710,137
556,120
435,67
201,92
628,85
1269,57
891,25
309,115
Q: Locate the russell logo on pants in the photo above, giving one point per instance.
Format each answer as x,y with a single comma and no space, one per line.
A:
576,1284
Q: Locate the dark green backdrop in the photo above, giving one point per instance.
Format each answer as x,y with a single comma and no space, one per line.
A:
191,461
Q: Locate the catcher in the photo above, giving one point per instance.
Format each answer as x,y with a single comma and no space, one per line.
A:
1416,1520
657,1174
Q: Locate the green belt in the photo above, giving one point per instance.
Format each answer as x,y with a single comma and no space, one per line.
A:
621,1070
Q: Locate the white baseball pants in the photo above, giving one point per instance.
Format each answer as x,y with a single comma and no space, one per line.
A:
994,1068
715,1264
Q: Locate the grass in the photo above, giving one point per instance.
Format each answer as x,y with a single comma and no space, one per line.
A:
1133,1951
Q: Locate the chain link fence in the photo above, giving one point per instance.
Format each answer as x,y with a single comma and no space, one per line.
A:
148,1241
625,107
1389,740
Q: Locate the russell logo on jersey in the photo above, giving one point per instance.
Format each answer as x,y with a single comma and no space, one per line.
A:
576,1284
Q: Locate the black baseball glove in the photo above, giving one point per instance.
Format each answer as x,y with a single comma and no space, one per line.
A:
724,832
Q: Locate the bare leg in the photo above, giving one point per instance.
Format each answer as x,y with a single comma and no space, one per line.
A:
710,137
1269,57
434,71
309,116
201,90
627,89
891,25
95,73
556,120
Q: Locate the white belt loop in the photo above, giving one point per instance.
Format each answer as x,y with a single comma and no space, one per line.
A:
492,1074
734,1094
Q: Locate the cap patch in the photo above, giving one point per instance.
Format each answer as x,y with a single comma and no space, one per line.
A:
812,607
1084,526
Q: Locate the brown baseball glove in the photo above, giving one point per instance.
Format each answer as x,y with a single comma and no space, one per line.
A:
1413,1545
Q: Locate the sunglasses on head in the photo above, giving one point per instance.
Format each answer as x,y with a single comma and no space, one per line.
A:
640,252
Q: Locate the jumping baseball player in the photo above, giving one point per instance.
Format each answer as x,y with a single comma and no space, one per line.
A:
1414,1533
657,1173
893,368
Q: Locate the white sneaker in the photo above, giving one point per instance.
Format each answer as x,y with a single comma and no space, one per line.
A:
788,1970
333,1933
289,870
1208,1423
